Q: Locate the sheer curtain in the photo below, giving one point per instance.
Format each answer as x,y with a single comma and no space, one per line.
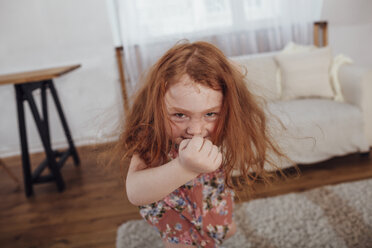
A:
149,27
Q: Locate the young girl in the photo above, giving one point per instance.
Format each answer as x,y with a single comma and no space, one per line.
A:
192,123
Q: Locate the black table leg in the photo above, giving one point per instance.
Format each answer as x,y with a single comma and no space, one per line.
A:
54,159
42,127
27,178
64,123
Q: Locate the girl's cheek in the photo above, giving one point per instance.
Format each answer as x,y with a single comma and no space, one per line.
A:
212,132
172,127
212,127
178,128
175,134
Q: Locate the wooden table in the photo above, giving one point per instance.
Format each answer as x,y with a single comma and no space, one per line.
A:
25,83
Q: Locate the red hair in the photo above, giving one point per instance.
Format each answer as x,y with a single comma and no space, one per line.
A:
241,131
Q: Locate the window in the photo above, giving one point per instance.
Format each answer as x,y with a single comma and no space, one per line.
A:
170,17
147,28
260,9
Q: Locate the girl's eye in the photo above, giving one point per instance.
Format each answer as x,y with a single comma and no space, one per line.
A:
179,115
211,114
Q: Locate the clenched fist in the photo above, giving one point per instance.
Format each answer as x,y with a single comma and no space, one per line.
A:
199,155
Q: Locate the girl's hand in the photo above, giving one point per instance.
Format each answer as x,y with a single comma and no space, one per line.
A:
199,155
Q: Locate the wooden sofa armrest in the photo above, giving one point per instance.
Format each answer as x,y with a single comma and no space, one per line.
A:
356,85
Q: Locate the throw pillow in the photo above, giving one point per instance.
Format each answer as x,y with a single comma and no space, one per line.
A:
305,74
337,62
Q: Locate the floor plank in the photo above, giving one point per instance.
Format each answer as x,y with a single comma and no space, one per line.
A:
94,204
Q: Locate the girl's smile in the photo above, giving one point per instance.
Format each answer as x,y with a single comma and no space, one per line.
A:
193,109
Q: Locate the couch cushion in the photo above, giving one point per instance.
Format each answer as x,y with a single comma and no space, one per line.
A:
337,62
305,74
317,129
260,74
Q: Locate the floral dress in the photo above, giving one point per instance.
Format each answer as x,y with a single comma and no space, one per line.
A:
198,213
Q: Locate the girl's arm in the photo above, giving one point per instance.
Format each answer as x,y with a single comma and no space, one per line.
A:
148,185
145,186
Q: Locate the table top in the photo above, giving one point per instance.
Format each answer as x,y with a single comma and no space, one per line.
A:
36,75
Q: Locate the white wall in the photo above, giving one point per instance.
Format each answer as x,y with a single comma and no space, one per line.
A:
350,28
43,33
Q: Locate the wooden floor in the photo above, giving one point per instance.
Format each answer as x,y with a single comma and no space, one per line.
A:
94,205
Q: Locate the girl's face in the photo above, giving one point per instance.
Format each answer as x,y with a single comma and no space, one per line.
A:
193,109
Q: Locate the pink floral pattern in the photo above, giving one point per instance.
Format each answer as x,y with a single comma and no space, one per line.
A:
198,213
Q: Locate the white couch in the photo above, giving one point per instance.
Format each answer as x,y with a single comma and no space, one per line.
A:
315,129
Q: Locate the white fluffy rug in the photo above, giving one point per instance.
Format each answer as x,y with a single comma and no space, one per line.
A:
331,216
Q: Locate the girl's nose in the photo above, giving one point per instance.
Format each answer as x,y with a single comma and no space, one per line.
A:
195,128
